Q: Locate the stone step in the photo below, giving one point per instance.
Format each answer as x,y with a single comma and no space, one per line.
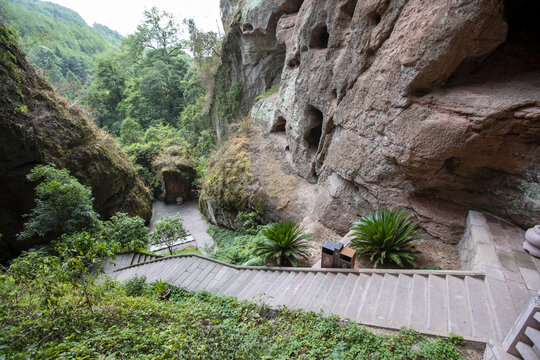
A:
252,286
262,290
288,293
357,297
402,304
343,298
205,269
318,297
280,287
386,299
427,302
310,292
187,272
367,311
332,296
418,319
239,283
459,321
526,351
204,285
222,279
291,300
481,318
504,312
437,304
180,269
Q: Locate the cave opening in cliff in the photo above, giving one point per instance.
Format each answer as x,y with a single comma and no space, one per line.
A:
314,132
279,126
319,37
519,54
349,7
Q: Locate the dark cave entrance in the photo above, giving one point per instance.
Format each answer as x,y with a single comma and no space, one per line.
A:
314,131
319,37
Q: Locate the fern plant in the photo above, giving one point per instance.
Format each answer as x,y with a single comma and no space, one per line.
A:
386,236
284,241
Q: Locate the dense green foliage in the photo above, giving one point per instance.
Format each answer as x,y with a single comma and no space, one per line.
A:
63,205
64,210
386,236
58,40
235,247
129,233
169,229
285,242
129,322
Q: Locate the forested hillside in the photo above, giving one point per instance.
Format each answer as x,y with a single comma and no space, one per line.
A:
58,40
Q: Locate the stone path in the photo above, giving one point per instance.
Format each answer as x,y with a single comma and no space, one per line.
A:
194,222
432,302
480,303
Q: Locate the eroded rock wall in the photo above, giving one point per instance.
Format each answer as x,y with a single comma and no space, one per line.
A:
429,105
39,127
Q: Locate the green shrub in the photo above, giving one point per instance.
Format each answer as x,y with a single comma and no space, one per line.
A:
135,286
233,247
251,221
386,236
129,233
285,242
168,230
196,326
63,205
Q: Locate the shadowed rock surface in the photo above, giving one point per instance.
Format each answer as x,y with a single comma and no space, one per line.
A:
434,106
39,127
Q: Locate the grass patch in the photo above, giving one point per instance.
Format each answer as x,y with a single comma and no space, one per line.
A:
274,89
188,250
190,326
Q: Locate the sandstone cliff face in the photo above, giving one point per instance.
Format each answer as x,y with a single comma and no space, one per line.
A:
431,106
39,127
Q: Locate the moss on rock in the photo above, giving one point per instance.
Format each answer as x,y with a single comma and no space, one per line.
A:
37,126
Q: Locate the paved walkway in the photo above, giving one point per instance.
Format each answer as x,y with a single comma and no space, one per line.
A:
193,220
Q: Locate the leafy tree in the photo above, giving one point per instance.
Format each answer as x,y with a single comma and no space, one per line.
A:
169,229
107,91
63,205
386,236
155,94
129,233
130,131
54,75
284,241
159,30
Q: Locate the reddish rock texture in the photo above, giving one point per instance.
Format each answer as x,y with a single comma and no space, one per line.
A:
431,106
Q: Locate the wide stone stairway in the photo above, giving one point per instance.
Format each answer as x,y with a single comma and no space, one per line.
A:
432,302
480,304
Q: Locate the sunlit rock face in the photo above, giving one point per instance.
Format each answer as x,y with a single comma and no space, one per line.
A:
429,105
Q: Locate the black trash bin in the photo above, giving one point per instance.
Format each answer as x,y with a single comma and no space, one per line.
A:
327,255
337,251
330,254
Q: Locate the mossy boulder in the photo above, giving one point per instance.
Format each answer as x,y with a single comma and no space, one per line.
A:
37,126
226,186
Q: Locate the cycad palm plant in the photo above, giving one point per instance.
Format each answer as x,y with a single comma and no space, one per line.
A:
386,236
285,241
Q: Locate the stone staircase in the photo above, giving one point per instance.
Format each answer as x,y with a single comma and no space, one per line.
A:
431,302
523,339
